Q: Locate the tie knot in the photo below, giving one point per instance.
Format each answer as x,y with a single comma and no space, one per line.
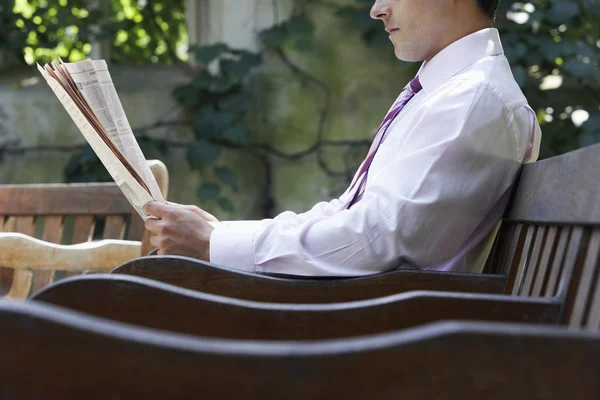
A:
415,85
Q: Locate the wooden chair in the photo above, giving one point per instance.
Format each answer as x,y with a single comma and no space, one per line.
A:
554,199
52,353
60,214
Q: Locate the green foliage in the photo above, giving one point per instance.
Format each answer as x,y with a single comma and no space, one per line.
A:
138,31
293,34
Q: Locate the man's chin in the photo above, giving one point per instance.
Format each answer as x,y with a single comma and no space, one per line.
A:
403,56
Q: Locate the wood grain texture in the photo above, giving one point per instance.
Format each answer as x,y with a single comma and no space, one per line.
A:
593,320
584,283
534,261
127,299
52,233
524,259
546,260
83,229
114,227
562,189
20,286
557,262
93,358
63,199
209,278
22,251
21,279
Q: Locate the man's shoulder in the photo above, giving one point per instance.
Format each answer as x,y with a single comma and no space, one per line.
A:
489,79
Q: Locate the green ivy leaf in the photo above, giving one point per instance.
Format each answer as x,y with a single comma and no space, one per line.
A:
222,84
208,192
300,25
202,80
251,59
235,69
238,134
226,204
226,176
206,54
186,95
359,18
562,11
303,44
237,103
202,152
274,37
579,69
209,122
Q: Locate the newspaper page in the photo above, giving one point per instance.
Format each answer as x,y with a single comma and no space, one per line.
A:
91,129
94,81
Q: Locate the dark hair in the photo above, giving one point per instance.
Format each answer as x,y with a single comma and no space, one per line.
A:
489,7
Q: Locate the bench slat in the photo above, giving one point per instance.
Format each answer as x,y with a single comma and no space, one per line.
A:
584,283
539,199
533,264
63,199
558,262
546,260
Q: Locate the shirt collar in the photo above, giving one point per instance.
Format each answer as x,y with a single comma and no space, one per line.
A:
459,55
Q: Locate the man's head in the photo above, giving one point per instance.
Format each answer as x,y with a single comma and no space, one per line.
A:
419,29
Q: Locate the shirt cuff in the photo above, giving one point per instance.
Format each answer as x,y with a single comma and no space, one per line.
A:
232,245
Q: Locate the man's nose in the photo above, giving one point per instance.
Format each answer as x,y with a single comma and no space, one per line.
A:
380,9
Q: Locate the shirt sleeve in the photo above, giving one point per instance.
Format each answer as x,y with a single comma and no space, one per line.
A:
456,160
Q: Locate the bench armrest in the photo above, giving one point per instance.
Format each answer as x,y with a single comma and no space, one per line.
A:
198,275
128,299
21,251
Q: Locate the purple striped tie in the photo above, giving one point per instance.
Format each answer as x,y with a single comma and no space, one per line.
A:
358,186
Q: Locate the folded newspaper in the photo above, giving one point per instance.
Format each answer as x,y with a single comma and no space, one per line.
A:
88,94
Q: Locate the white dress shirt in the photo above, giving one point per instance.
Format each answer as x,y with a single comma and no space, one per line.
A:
436,188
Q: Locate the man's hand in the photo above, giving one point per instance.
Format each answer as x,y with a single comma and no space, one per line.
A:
196,210
179,230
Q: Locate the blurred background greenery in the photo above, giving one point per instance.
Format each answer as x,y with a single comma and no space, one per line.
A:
553,47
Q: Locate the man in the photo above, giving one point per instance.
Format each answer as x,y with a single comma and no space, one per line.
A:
433,187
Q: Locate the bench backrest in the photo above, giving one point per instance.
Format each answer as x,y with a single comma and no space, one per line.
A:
68,214
549,242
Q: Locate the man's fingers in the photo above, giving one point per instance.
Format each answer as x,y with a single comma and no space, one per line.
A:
152,225
196,210
155,208
154,242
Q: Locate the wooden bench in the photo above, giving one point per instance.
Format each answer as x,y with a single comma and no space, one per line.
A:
554,199
61,214
551,263
52,353
127,299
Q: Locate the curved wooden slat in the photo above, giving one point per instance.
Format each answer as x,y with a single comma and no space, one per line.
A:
93,358
209,278
127,299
